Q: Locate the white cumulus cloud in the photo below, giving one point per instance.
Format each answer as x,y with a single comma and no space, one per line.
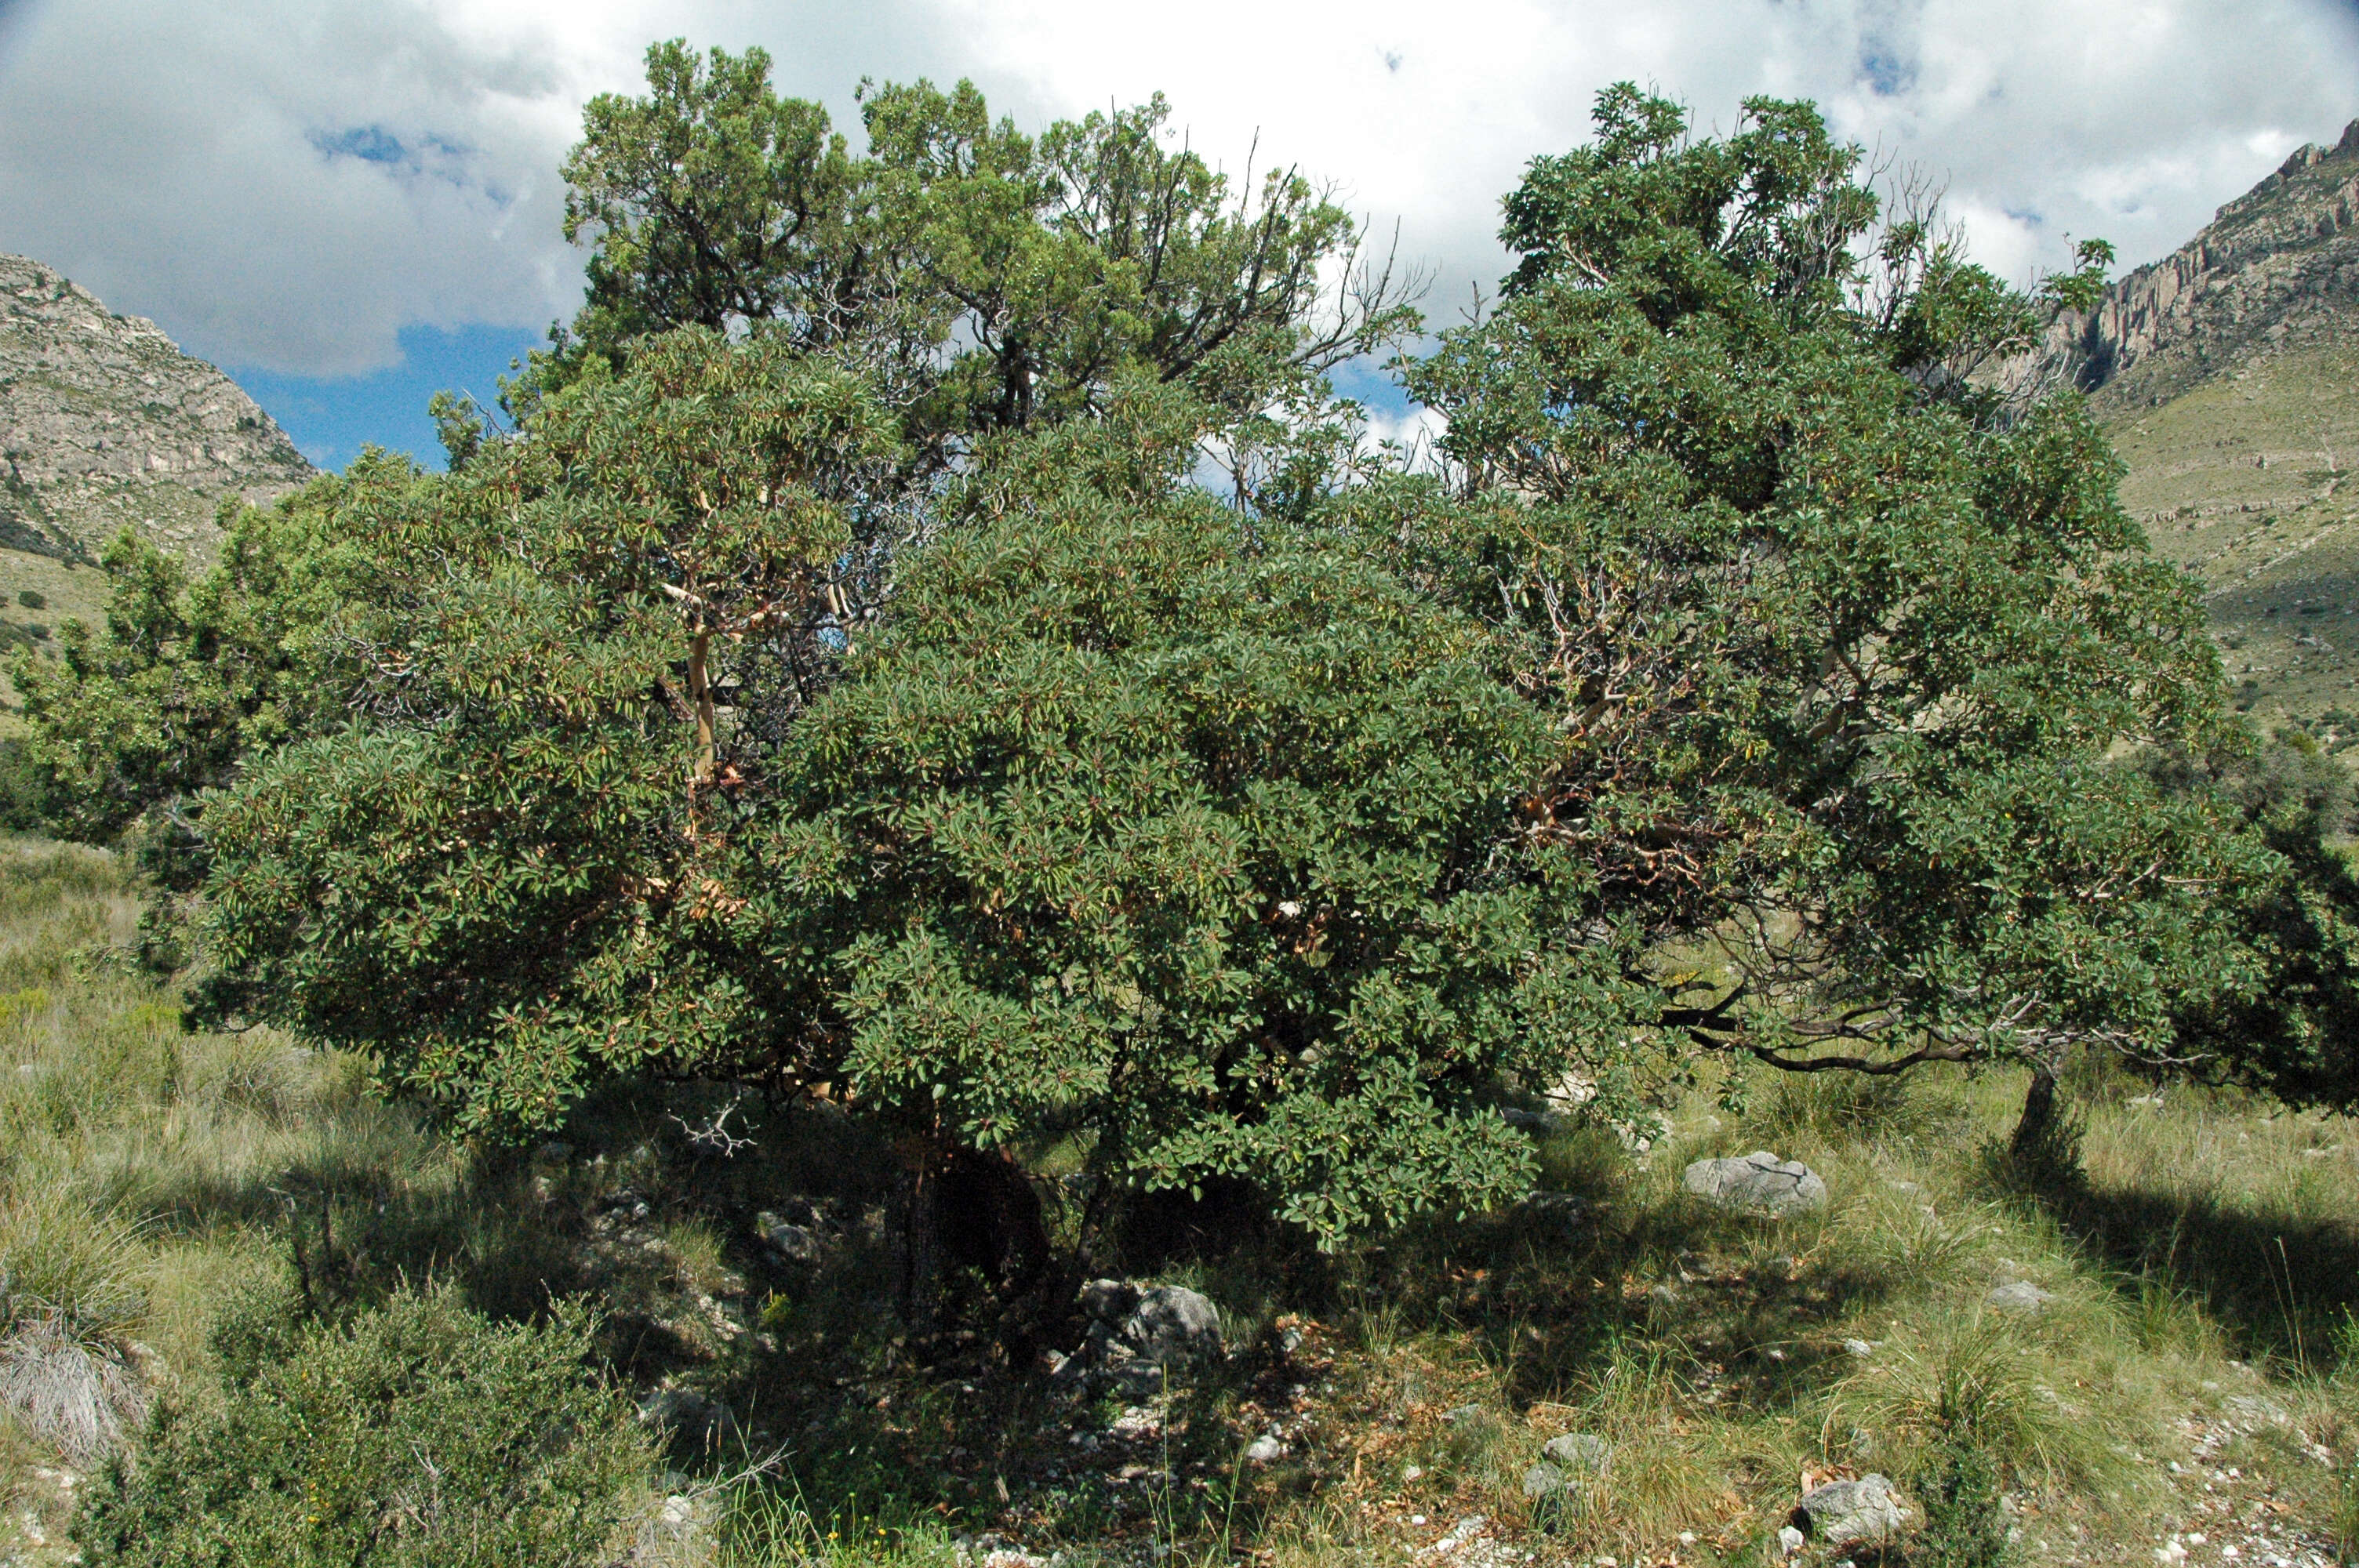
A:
286,184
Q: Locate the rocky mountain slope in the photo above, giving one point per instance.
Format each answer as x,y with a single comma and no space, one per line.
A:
2276,270
105,423
2228,374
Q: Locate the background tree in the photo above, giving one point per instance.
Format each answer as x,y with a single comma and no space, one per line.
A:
982,277
183,681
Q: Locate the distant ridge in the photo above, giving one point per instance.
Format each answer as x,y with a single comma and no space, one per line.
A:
2276,269
2227,375
105,423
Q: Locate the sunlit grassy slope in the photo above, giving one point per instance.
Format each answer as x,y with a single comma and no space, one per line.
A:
2246,478
38,594
2193,1376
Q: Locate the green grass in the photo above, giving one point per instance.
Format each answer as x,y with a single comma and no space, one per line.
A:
2207,1253
68,591
2245,480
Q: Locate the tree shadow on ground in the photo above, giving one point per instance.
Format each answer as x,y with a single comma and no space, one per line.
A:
1586,1270
2281,1285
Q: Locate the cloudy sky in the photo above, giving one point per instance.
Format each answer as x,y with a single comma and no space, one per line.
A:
349,204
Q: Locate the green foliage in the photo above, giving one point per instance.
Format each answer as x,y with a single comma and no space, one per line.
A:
1844,640
1959,1490
715,203
1128,819
587,649
418,1433
848,688
28,793
186,680
1197,841
983,278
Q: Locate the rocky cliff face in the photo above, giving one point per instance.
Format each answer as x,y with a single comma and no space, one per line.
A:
105,423
2278,268
2227,375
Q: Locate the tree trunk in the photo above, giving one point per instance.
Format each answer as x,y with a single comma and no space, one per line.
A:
962,1209
921,1251
2039,1113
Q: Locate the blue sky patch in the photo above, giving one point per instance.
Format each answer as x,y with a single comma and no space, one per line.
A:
369,143
331,417
1887,71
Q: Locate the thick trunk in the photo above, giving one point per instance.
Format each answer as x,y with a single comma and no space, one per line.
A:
963,1210
920,1259
2039,1113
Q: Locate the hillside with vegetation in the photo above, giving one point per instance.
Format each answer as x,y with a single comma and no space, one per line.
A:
105,426
823,952
2224,373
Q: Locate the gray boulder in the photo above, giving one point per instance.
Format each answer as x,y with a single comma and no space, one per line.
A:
1552,1211
1545,1480
1760,1182
1580,1454
1138,1334
1172,1324
1109,1301
795,1243
2018,1295
1842,1512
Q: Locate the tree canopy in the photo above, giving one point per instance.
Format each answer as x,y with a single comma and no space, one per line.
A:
840,683
1845,644
983,278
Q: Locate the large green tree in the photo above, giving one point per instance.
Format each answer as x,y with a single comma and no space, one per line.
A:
1132,821
1766,671
1847,638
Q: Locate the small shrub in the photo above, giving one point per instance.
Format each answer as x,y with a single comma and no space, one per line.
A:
73,1390
2167,1318
1959,1489
32,598
418,1433
1973,1378
1913,1244
1845,1107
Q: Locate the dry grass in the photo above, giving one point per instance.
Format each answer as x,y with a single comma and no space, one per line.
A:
2209,1254
137,1168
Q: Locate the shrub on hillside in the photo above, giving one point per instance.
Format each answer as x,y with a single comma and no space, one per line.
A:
417,1434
